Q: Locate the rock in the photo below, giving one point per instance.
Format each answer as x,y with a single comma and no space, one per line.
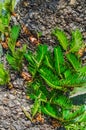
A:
12,128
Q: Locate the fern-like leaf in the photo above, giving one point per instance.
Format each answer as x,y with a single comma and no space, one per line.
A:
4,76
36,59
48,60
51,111
13,37
15,32
39,55
15,60
62,101
59,59
74,61
35,107
61,37
69,116
12,61
81,118
76,42
73,80
82,71
9,5
50,78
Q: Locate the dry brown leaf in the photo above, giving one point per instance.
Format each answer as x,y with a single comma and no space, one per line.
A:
26,76
39,118
31,37
26,30
81,51
18,44
55,123
14,14
4,45
34,40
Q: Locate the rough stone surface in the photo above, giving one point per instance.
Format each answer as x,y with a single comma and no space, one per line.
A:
45,15
11,115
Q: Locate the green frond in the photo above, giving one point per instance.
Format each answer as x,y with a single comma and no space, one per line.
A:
35,88
76,42
48,60
4,20
59,59
15,59
14,33
28,57
11,60
50,78
76,64
82,71
69,116
32,65
67,73
81,118
36,59
40,53
51,111
62,101
35,107
76,126
61,36
73,80
19,53
9,5
4,76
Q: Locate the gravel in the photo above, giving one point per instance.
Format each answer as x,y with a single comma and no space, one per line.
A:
37,15
45,15
11,115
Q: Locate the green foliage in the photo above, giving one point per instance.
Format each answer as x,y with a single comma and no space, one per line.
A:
48,60
76,126
54,74
15,57
73,60
72,46
76,42
14,33
61,37
62,101
4,20
51,111
35,60
6,8
9,5
36,106
69,115
4,76
59,60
